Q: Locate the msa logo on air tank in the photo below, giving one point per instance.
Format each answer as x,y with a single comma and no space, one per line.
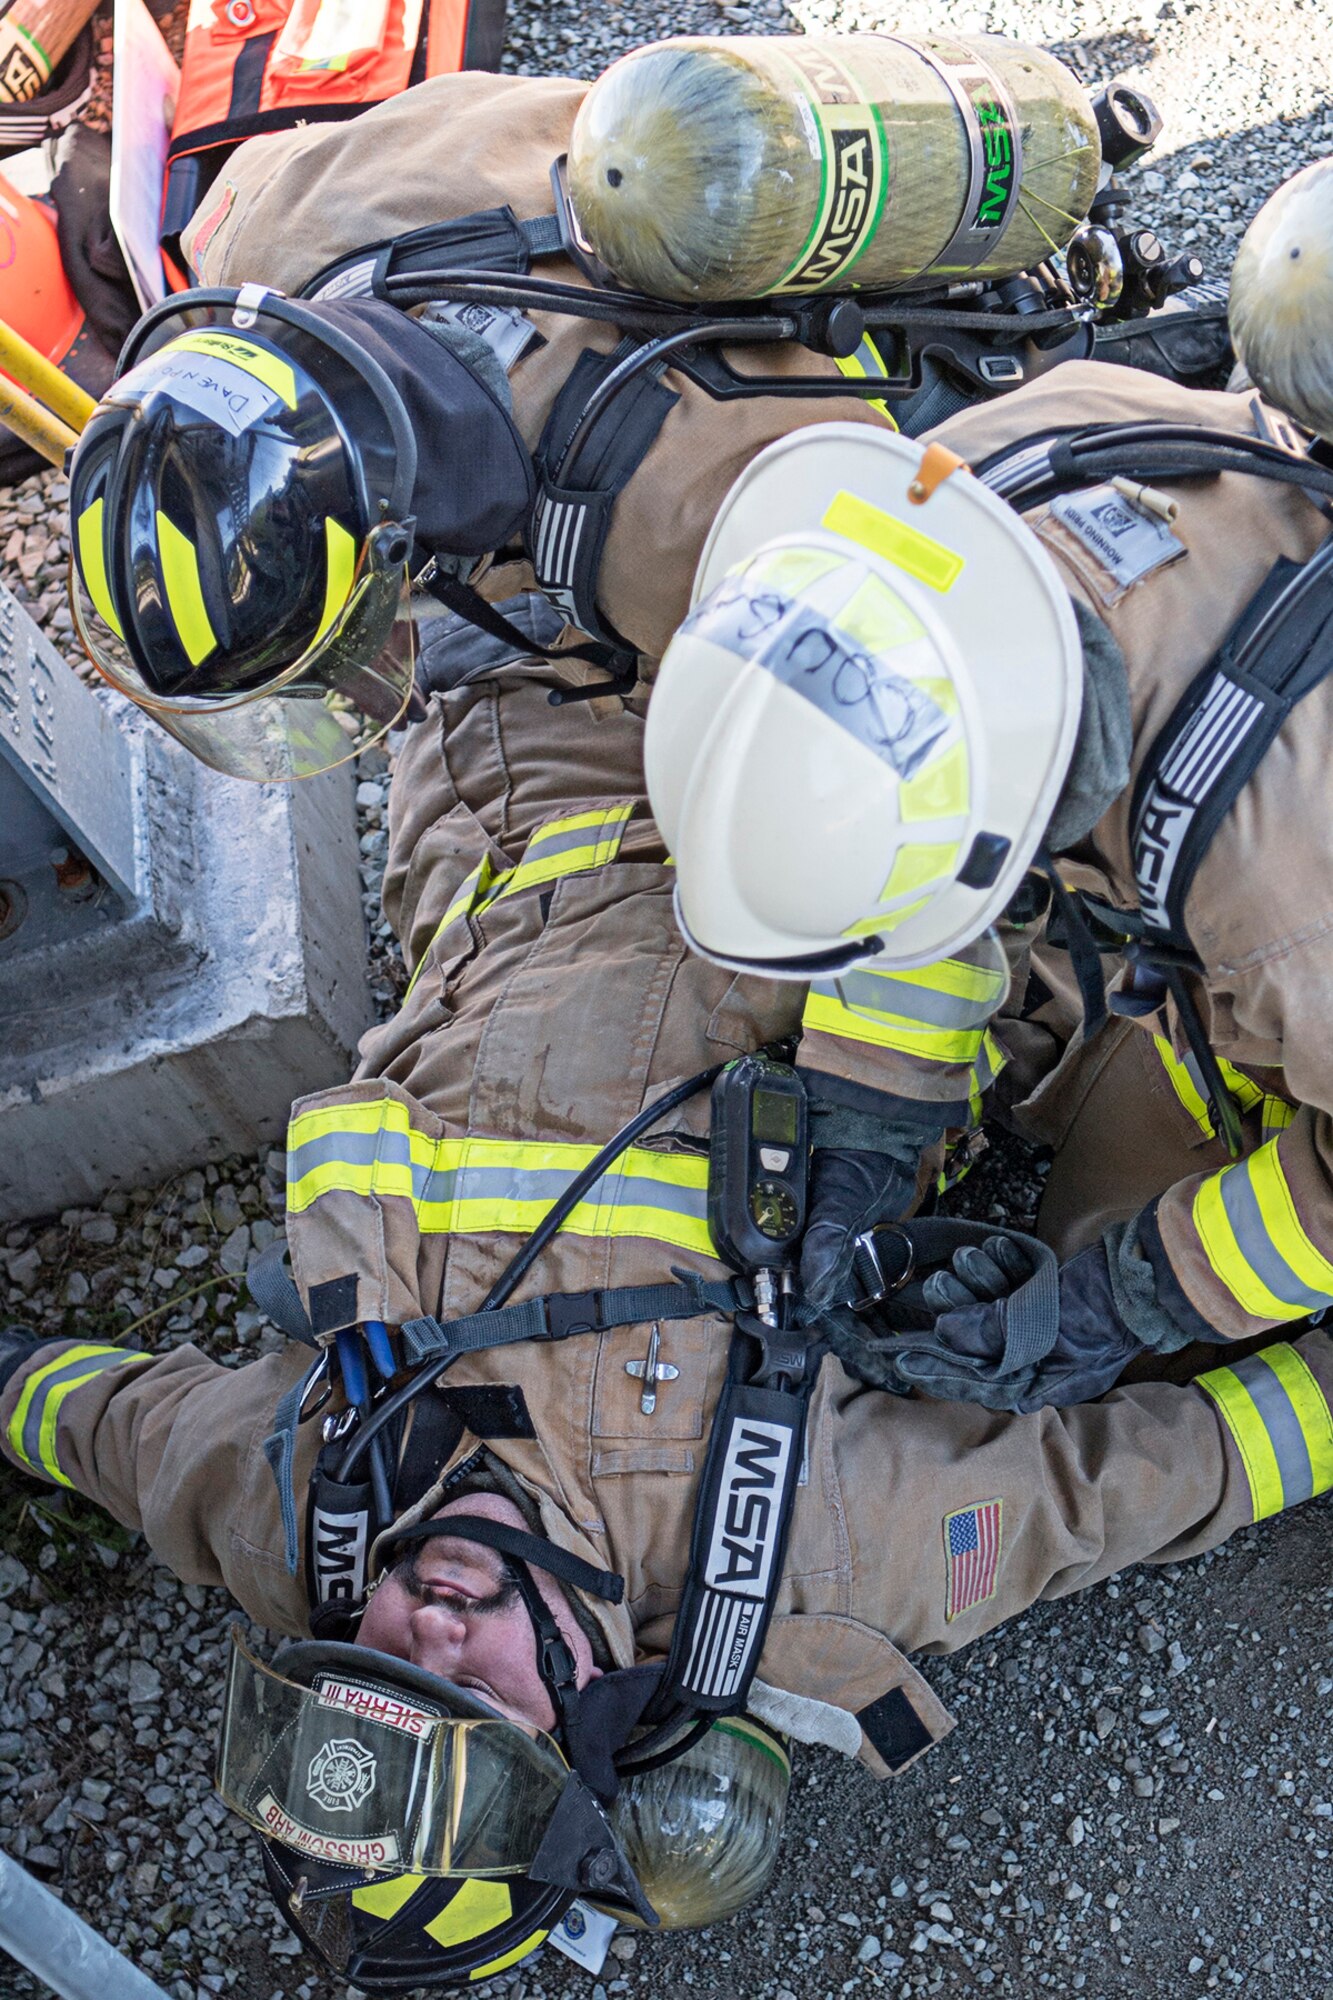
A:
997,141
845,225
746,1517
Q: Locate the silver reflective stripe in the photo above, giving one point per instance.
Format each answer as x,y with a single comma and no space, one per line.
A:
986,1070
542,844
479,1183
1257,1246
84,1369
888,994
1283,1425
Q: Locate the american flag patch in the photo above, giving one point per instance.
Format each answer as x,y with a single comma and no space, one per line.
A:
971,1556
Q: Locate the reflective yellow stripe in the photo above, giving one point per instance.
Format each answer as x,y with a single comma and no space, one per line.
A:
566,846
339,570
937,1011
1247,1221
906,548
471,895
1310,1404
1253,1442
1279,1417
560,847
1229,1263
886,1031
92,561
1183,1084
984,1072
1278,1210
268,368
1183,1075
868,362
529,1944
32,1427
1275,1116
475,1186
185,592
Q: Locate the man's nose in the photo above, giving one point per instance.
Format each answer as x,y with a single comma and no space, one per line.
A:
439,1634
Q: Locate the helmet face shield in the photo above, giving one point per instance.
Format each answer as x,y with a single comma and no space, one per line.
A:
345,692
362,1775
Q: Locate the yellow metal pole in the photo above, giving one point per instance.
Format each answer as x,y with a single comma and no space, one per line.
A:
19,358
36,426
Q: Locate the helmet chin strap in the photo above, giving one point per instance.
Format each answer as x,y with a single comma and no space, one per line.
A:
555,1657
579,1849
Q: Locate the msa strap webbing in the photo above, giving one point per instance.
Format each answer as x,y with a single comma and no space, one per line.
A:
491,240
742,1517
1280,648
557,1315
567,530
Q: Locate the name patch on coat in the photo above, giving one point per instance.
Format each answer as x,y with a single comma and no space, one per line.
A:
1127,542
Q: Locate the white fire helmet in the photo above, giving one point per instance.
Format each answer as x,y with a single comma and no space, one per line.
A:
859,733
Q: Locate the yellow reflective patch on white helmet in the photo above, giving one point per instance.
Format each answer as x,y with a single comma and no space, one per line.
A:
917,864
792,569
877,618
929,561
941,791
883,920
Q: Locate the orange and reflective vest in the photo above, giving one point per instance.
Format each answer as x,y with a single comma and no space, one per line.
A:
253,66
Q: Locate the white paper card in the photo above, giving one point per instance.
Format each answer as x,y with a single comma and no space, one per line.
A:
145,84
584,1935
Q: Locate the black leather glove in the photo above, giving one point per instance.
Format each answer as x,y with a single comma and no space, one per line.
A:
850,1191
968,1357
863,1171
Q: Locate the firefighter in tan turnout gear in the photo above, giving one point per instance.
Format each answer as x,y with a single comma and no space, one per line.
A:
552,1000
1186,860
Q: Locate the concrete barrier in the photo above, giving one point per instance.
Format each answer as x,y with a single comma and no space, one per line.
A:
181,954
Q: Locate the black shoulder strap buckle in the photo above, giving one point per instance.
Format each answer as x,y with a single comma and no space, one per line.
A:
573,1312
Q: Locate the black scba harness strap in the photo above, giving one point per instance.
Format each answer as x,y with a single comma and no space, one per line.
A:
751,1472
1279,649
611,409
742,1518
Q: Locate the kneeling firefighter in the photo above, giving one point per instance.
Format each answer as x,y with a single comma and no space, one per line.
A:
947,777
564,1483
249,499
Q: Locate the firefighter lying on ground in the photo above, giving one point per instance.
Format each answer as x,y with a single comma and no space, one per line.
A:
552,999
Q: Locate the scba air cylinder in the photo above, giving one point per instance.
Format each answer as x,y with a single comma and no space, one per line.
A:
708,168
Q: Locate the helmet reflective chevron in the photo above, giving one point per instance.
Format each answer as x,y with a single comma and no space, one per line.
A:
859,733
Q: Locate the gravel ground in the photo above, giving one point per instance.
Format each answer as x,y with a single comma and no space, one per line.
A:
1138,1800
